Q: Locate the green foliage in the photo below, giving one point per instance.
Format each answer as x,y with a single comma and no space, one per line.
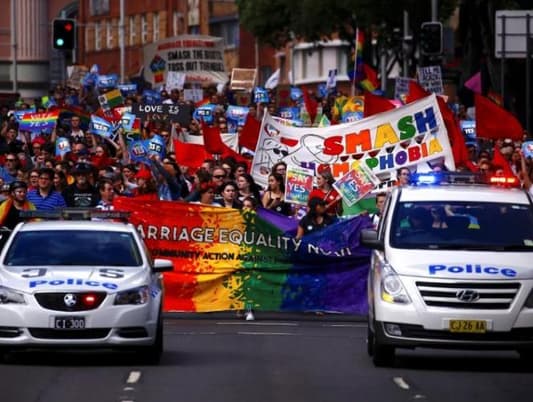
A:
276,22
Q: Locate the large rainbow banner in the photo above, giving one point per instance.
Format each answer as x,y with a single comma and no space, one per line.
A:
226,259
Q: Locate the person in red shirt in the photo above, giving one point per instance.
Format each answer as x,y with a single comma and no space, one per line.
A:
325,191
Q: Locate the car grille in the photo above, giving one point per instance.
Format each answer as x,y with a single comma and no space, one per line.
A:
56,301
47,333
469,295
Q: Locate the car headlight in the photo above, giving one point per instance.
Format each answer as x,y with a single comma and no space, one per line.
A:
392,290
8,296
138,295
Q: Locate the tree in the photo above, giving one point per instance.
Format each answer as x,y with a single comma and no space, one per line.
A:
277,22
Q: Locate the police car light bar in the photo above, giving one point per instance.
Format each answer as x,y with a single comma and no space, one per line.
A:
507,181
441,178
73,214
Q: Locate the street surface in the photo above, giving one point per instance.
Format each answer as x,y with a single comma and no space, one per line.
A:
278,357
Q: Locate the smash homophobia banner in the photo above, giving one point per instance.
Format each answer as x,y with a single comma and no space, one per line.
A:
227,259
412,135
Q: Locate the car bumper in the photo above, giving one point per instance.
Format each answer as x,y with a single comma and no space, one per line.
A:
411,336
115,326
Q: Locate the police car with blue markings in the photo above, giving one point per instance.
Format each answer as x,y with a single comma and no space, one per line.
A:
78,280
452,267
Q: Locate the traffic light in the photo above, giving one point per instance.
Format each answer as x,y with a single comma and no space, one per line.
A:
64,34
431,38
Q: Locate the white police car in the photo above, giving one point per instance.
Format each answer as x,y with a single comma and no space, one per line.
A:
451,267
78,284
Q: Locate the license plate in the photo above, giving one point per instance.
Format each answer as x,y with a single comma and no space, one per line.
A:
69,322
469,326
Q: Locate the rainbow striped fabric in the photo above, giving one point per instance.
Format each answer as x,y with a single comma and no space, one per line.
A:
226,259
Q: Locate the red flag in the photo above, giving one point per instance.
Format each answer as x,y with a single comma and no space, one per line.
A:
212,141
250,133
191,155
376,104
493,121
213,144
457,140
415,92
499,161
311,104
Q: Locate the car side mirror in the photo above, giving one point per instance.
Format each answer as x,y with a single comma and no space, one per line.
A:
162,265
369,238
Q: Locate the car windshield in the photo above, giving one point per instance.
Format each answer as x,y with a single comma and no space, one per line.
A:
463,226
73,247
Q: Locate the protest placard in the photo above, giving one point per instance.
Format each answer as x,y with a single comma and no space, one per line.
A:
176,113
355,184
298,184
430,78
199,57
243,79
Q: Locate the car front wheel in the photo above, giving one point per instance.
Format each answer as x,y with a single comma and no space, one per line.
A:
152,354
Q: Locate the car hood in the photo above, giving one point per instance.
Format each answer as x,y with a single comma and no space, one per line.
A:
72,278
463,265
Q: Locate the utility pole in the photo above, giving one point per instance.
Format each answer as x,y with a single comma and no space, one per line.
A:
434,10
14,44
121,42
406,43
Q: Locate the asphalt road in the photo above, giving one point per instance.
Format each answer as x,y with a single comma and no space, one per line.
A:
275,358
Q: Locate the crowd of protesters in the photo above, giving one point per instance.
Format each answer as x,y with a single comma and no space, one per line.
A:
97,169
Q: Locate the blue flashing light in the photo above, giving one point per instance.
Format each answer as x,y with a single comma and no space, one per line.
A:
426,178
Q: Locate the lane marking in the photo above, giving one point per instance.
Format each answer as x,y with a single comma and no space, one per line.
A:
266,333
189,333
264,324
133,377
345,325
400,382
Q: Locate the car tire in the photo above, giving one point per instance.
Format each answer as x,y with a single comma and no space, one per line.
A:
382,355
4,355
526,355
151,355
370,342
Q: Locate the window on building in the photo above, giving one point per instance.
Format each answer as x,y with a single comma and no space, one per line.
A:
155,24
109,34
144,29
177,23
264,74
133,31
97,36
228,30
88,44
99,7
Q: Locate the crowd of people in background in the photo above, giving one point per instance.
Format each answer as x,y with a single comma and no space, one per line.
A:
33,176
97,169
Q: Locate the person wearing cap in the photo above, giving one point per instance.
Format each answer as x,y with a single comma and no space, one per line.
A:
44,197
16,202
81,193
146,187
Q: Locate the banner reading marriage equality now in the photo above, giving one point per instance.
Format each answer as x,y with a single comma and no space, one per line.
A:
226,259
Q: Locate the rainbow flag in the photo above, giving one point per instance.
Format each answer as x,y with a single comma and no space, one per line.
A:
111,99
226,259
36,122
370,81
